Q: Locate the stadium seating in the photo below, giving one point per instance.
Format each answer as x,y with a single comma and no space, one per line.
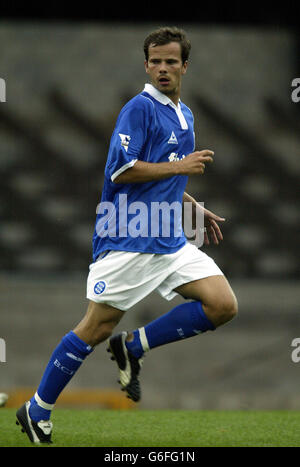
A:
56,124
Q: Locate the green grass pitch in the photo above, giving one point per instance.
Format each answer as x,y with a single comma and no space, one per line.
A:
161,428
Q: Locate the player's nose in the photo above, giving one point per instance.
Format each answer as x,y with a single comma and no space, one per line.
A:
162,68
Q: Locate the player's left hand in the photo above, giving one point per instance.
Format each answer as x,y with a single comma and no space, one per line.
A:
213,230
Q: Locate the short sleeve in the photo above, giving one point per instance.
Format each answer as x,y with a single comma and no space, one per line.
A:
128,140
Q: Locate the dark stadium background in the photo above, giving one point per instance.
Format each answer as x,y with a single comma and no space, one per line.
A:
68,71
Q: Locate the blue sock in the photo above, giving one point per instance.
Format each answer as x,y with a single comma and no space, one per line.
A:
135,346
183,321
63,364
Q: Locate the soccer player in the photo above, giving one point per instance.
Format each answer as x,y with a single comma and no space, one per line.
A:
138,248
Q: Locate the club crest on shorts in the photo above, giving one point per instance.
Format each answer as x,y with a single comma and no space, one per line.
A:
99,287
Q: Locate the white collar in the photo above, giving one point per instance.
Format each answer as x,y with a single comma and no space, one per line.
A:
159,96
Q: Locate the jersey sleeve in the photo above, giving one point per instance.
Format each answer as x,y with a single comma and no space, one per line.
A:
128,139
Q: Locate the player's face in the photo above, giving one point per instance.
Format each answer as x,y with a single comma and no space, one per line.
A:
165,68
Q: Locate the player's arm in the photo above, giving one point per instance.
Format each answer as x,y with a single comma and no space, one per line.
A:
211,220
142,172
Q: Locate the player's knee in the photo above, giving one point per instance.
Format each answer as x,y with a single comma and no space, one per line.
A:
229,308
223,310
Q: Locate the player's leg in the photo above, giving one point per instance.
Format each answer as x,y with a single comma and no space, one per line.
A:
98,323
213,304
218,300
96,326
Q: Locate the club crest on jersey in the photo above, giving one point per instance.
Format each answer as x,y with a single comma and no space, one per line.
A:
174,157
173,139
125,140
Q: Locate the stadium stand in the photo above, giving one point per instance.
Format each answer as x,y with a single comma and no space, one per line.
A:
54,145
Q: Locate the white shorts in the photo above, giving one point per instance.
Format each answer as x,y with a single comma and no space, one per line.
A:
122,279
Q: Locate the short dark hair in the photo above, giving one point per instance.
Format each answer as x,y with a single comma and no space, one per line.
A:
165,35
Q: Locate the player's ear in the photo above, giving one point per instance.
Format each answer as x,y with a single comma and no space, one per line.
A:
184,68
146,66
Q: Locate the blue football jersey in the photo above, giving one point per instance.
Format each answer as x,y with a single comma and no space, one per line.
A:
145,217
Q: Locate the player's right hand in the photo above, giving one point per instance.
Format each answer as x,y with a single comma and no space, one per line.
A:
194,163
